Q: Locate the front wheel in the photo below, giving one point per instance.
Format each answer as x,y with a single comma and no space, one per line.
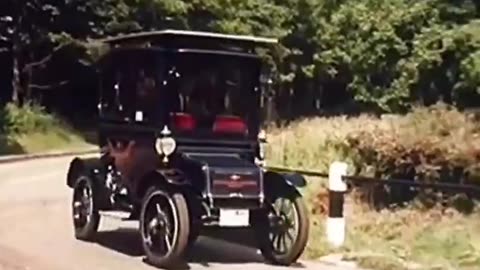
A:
86,217
164,227
282,227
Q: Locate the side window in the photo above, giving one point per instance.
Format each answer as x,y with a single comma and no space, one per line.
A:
114,93
107,102
147,90
132,88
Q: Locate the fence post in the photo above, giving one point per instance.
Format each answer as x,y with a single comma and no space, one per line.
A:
336,189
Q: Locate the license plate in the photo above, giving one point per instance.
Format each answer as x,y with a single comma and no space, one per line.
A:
234,217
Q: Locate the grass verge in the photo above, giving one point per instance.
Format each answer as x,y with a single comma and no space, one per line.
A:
29,129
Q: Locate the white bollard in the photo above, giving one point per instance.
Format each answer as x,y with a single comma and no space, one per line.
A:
336,187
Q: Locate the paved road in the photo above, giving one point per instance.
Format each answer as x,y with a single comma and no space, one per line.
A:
36,230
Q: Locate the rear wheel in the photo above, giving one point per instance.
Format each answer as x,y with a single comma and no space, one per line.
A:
282,227
164,227
86,217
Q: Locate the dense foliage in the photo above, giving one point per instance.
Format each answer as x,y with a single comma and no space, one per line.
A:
378,55
429,145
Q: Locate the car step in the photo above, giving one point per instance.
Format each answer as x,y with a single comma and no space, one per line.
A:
120,215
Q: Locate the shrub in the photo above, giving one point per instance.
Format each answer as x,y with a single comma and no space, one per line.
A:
427,145
438,143
28,118
30,128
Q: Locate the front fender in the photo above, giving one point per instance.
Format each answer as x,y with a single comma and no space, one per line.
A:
78,165
290,179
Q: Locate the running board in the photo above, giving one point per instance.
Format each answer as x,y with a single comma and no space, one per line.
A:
119,215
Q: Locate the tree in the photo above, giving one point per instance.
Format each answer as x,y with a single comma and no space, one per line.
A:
41,28
5,53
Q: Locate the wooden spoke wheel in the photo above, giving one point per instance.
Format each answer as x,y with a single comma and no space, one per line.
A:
164,227
282,228
86,217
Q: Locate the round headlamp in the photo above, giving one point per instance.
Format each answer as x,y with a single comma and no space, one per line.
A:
166,146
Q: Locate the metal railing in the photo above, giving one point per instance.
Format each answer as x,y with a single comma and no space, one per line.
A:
337,187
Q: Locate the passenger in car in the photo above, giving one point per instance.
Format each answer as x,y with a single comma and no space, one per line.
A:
147,97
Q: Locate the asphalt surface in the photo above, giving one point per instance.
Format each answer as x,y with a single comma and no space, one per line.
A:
36,230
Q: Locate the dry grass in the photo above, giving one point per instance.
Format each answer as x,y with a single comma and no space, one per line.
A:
313,142
400,239
434,237
412,237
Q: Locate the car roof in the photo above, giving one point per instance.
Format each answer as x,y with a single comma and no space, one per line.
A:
193,35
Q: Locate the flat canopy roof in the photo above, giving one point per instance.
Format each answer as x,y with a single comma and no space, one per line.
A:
152,35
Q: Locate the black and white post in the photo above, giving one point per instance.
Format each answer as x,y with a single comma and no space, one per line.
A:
336,190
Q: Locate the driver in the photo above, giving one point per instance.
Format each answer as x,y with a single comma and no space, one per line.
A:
203,98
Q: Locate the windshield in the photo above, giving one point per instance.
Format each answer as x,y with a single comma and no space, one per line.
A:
212,89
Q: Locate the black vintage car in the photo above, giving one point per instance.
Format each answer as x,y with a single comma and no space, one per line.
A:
181,147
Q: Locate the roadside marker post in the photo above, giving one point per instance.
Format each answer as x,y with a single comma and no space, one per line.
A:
336,188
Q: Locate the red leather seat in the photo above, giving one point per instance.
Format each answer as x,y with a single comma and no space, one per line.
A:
183,121
230,124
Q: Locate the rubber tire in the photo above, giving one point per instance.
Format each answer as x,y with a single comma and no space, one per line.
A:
176,255
195,221
193,236
261,229
89,231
